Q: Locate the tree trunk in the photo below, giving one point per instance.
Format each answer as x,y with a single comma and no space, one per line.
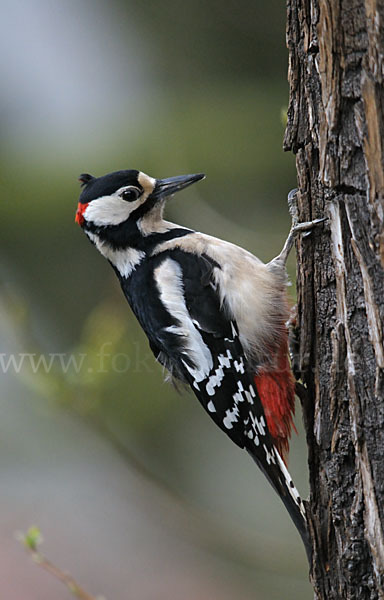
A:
335,128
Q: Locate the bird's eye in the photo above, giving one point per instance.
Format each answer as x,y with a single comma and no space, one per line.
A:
130,194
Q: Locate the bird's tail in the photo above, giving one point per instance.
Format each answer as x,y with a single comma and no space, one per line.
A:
282,483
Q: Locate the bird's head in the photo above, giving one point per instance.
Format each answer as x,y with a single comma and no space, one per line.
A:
125,201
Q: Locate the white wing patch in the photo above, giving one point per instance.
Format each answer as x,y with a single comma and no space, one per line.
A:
125,260
269,455
232,415
214,381
169,280
239,365
217,377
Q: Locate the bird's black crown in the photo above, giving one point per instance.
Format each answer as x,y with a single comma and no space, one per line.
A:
95,187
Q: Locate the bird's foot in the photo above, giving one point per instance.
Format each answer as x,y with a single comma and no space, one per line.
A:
307,226
294,212
304,228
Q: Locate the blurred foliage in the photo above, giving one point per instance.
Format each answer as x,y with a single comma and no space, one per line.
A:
100,375
236,40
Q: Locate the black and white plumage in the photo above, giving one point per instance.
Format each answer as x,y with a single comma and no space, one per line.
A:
213,313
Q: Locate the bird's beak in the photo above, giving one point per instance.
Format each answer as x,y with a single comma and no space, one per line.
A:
166,187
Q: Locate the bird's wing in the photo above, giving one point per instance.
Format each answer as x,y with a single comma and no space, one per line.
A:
200,341
205,344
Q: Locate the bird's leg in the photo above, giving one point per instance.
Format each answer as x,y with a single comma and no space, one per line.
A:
296,228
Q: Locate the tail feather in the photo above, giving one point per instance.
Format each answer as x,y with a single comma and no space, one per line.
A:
282,483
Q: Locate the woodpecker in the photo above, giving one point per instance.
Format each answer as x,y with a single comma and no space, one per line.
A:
214,314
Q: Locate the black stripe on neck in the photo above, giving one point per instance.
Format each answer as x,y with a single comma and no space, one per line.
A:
148,242
128,235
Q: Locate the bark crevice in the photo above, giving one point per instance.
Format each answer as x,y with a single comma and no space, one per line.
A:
336,129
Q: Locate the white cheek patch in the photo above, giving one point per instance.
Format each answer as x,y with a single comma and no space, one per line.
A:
109,210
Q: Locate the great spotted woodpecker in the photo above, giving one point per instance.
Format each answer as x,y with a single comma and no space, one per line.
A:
213,313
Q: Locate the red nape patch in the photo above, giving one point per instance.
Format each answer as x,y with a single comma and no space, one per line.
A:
277,394
79,213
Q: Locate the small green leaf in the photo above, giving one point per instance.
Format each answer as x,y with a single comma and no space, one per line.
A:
33,538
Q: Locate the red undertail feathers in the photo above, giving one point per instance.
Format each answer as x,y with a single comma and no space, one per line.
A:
276,389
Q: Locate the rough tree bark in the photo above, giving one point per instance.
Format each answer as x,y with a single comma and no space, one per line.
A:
335,128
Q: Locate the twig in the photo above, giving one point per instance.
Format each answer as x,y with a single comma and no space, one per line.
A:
31,540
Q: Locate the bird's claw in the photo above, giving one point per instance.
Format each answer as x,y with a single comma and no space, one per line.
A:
307,226
292,205
296,228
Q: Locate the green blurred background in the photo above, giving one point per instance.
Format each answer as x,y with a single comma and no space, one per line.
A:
138,495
